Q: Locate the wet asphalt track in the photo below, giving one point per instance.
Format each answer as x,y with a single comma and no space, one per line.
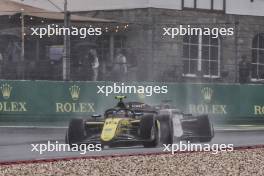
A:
15,143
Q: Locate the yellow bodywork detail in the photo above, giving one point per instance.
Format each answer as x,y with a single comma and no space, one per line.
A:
158,124
110,129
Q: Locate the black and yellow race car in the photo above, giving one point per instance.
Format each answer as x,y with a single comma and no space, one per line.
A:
137,123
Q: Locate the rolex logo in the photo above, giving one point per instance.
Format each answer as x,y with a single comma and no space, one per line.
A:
207,93
6,91
75,92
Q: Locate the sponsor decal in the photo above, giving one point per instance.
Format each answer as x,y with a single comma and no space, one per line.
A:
207,93
258,109
75,105
206,107
7,105
6,90
75,92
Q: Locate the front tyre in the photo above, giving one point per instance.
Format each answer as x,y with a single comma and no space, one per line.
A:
76,131
149,131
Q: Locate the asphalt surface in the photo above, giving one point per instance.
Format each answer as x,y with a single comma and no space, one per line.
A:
16,143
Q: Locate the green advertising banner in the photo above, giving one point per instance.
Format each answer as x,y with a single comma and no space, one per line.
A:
48,101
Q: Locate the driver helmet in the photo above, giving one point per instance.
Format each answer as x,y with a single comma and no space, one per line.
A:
121,104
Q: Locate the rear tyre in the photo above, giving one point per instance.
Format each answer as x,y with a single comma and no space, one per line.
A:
149,131
166,129
206,130
76,131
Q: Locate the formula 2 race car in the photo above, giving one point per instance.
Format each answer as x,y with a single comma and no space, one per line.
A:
136,123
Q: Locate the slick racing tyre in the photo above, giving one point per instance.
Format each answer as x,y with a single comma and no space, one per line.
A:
149,130
206,130
76,131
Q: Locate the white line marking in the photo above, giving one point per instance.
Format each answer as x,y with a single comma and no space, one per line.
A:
43,127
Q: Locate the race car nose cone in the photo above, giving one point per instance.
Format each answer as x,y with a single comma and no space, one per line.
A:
109,129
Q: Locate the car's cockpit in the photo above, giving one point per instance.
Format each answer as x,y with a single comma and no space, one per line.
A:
119,113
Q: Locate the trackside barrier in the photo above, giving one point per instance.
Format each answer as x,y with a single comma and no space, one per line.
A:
50,101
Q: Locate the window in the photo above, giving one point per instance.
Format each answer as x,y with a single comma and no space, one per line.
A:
204,4
120,41
201,54
189,3
190,55
104,42
218,4
55,52
257,65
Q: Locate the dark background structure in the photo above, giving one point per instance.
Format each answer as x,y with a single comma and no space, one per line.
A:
139,33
